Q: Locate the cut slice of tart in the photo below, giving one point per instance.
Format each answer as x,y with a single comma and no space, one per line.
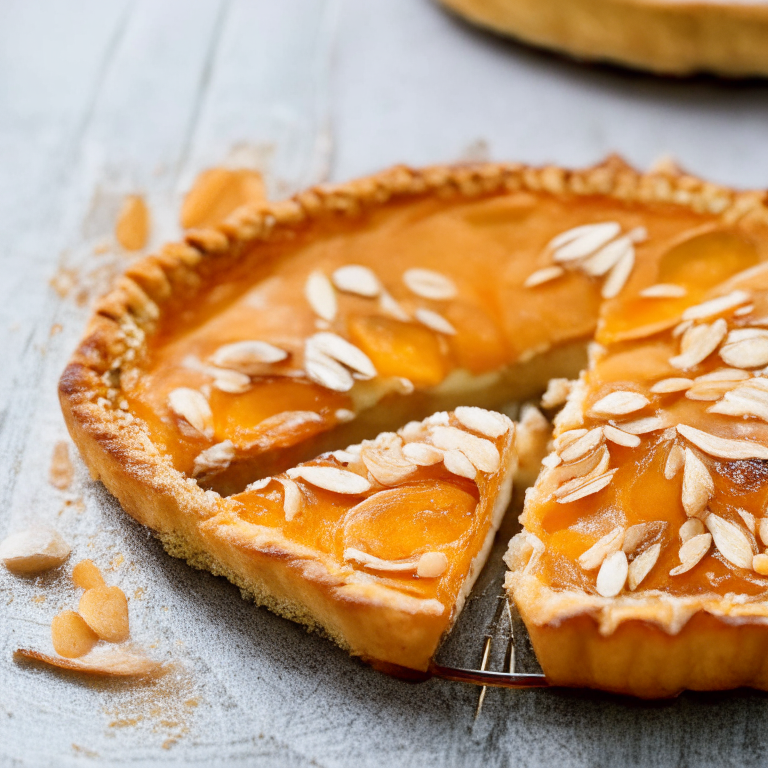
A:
642,565
296,329
379,543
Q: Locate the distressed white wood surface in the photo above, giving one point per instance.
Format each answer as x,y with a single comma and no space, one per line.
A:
99,99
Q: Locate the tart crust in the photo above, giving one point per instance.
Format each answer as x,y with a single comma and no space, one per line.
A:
663,36
197,525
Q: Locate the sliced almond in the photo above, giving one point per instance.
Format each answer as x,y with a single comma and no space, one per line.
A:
612,575
487,423
620,437
214,459
690,528
563,440
458,464
574,474
105,610
374,563
319,292
340,350
557,393
762,530
583,241
33,550
292,498
229,381
749,520
583,445
592,486
422,454
645,425
429,284
248,356
620,403
434,321
636,535
664,291
608,544
723,448
716,306
731,542
258,485
691,553
698,486
749,353
698,343
723,374
431,565
675,461
325,371
357,279
607,257
642,565
665,386
618,276
551,461
541,276
331,479
386,462
483,454
191,405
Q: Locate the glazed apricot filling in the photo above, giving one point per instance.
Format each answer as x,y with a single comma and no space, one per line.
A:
658,478
306,346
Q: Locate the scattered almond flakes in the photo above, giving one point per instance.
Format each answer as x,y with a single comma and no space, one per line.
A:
132,228
61,471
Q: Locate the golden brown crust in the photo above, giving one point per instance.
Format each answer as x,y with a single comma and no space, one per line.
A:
117,447
664,36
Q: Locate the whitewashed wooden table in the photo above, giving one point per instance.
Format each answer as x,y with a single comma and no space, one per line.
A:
103,98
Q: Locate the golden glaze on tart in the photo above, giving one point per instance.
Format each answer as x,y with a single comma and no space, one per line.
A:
296,329
725,37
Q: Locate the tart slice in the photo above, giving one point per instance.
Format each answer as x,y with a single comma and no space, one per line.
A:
642,567
379,544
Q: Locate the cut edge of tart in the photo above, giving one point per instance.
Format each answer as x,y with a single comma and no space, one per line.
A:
119,440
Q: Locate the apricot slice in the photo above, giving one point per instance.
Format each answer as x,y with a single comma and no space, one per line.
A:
400,349
71,636
105,610
273,413
401,522
86,575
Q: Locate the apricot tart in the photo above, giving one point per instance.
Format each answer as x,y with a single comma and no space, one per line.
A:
239,393
678,37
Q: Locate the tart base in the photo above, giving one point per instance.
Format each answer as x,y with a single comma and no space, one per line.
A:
666,37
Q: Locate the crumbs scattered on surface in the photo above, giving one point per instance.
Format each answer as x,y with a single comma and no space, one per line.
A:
132,228
61,470
56,328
